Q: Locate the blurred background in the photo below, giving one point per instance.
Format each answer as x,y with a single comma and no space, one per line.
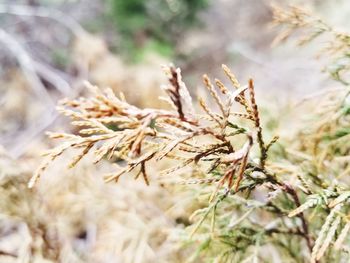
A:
48,48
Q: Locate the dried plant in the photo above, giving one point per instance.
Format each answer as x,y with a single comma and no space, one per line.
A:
112,128
295,20
220,144
251,202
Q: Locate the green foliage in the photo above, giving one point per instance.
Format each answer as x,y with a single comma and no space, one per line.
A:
61,58
152,46
155,25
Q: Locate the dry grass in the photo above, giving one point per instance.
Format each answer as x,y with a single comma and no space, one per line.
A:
75,217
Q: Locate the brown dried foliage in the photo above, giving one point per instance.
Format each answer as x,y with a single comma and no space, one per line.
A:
112,128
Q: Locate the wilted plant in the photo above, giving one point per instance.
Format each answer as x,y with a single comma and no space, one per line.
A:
112,128
120,130
250,199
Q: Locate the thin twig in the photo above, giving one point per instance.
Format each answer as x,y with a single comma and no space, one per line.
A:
40,11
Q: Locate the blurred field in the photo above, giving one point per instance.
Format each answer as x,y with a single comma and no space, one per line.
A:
49,48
